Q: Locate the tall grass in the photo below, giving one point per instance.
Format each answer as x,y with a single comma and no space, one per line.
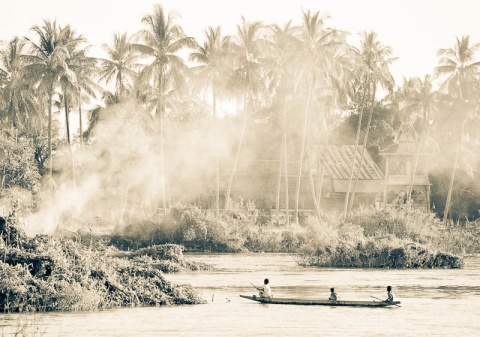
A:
371,238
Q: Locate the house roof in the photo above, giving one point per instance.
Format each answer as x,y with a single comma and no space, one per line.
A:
406,143
339,162
338,159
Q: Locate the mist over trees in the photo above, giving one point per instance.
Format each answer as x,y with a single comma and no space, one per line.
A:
162,118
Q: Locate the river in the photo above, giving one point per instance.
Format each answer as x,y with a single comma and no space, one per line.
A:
439,302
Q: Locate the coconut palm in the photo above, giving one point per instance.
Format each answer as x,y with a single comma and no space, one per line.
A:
120,66
376,58
109,99
77,73
87,87
247,78
45,65
417,103
331,105
17,103
317,47
459,71
281,84
161,41
331,98
209,76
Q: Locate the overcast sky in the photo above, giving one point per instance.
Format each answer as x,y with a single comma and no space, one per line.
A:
415,29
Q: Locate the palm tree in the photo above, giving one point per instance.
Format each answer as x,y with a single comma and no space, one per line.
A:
87,87
247,78
209,75
121,65
460,70
331,106
162,40
317,46
109,99
285,45
418,100
375,62
77,80
45,65
77,74
331,99
16,101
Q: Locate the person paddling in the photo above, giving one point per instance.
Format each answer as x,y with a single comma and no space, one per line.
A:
390,295
265,291
333,295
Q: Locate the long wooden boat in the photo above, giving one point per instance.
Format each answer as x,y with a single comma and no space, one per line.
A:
298,301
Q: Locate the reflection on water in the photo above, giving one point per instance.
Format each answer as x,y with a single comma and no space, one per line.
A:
435,302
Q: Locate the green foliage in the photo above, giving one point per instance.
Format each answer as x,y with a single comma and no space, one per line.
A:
17,162
345,245
198,228
465,195
391,238
381,130
48,274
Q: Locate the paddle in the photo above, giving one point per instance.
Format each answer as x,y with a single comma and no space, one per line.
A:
384,301
255,286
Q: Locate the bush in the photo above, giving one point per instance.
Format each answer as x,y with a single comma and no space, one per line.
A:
47,274
371,238
380,239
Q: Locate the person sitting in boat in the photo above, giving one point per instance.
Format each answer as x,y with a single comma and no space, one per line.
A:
333,295
265,292
390,295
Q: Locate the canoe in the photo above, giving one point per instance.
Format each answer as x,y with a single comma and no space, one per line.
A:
298,301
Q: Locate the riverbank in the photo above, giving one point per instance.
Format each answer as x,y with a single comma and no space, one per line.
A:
87,272
368,239
47,273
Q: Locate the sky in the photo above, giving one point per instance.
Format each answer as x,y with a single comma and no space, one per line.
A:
415,29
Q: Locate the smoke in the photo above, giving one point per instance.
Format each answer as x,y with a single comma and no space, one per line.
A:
118,176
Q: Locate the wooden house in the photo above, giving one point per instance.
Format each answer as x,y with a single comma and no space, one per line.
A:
402,171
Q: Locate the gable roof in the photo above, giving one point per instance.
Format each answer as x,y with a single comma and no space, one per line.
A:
339,162
406,143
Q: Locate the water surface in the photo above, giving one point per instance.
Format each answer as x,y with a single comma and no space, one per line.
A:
435,302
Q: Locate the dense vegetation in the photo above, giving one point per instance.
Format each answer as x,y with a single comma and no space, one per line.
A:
379,239
49,274
306,83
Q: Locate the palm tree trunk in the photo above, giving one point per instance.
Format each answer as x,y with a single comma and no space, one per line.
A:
235,163
452,176
365,141
352,169
450,186
279,185
415,165
312,183
285,165
50,159
162,166
300,161
160,109
217,164
67,127
80,122
67,119
322,173
11,110
282,161
426,128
